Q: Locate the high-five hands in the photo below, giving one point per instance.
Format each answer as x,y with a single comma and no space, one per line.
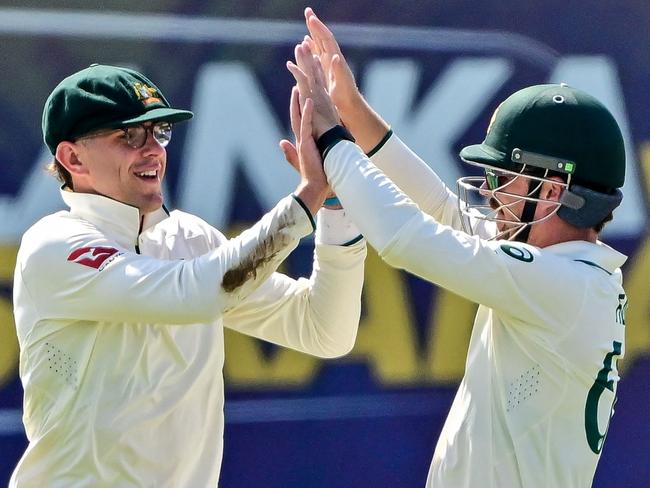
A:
313,187
338,76
310,80
304,156
310,87
323,75
367,126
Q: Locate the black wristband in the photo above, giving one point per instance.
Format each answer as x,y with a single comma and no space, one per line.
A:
330,138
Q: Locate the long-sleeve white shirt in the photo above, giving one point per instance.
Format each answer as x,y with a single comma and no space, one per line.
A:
122,353
540,380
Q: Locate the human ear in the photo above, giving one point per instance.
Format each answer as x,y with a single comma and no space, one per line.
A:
67,153
552,190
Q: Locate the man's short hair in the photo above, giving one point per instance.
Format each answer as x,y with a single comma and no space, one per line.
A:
56,169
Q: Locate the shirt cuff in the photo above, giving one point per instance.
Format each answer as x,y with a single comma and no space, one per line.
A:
307,212
381,143
334,227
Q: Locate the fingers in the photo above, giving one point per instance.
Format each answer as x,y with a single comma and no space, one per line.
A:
301,78
304,59
305,123
339,80
290,154
308,71
299,75
311,165
321,34
315,49
312,32
341,71
310,66
294,112
311,83
319,74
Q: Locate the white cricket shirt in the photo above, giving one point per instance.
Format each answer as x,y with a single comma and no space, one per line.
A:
534,405
122,353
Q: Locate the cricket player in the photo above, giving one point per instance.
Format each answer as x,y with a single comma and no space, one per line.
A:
539,388
120,304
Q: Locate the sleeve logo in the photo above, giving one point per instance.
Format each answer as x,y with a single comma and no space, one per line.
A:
94,257
520,253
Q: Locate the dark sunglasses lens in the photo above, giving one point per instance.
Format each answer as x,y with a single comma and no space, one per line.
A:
491,179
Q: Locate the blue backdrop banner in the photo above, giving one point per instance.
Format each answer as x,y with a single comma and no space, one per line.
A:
436,72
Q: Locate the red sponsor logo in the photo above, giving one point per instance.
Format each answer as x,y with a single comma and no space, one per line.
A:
93,257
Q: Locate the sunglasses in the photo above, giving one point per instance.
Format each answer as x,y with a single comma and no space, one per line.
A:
136,134
495,179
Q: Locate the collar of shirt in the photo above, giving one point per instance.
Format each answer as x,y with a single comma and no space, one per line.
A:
597,253
116,219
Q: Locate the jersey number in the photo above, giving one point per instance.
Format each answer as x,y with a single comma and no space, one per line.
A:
594,438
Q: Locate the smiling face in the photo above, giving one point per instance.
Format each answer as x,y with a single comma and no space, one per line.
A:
106,164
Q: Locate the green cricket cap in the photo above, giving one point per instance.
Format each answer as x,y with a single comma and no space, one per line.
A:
103,97
559,122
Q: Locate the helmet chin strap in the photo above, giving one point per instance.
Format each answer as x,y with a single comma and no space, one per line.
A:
528,213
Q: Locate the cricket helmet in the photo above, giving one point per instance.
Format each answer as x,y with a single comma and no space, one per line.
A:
539,132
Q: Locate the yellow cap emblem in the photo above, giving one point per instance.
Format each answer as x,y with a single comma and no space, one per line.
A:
146,94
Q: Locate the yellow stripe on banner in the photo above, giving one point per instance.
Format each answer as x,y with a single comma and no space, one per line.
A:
636,272
387,338
451,329
637,320
8,340
7,262
644,157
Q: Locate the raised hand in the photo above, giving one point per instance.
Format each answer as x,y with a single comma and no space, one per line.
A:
291,153
367,127
288,148
338,76
310,80
313,187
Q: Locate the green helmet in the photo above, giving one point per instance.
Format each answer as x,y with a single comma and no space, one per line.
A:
549,130
558,121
